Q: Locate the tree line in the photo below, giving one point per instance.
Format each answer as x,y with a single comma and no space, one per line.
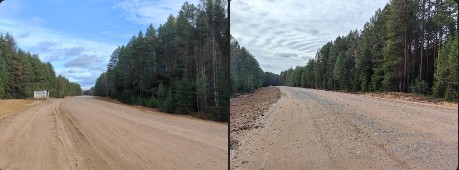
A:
22,72
246,74
408,46
180,67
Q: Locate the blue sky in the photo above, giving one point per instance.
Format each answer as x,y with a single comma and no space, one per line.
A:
287,33
78,37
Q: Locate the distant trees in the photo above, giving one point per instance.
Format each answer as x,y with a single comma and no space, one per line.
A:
21,73
180,67
246,74
408,46
271,79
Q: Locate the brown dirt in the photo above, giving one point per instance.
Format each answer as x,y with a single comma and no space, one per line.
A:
11,106
413,97
142,108
316,129
84,133
149,109
247,108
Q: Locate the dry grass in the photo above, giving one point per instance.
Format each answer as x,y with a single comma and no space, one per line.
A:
11,106
413,98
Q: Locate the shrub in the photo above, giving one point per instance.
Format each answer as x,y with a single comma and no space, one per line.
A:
126,97
135,100
168,105
420,86
152,102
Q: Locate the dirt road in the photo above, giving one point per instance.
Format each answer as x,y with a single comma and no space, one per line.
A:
315,129
85,133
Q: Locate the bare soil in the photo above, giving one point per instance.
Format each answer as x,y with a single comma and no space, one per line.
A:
84,133
11,106
414,98
247,108
316,129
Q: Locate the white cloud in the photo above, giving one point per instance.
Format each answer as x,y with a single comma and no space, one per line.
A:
146,12
286,33
87,57
75,70
79,59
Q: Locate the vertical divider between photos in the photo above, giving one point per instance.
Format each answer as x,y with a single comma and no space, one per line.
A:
228,79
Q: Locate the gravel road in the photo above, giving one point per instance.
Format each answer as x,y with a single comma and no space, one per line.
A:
85,133
316,129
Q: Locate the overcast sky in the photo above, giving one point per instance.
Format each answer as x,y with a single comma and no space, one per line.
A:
287,33
78,37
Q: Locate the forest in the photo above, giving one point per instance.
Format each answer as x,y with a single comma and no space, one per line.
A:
408,46
180,67
21,73
246,74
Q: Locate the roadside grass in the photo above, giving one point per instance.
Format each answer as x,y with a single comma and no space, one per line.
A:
11,106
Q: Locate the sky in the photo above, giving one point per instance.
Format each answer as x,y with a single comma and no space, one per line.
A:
78,37
287,33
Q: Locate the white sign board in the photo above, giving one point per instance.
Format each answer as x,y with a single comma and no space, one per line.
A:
43,94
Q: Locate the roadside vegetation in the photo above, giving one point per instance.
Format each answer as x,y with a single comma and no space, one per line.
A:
246,74
12,106
408,46
180,67
22,72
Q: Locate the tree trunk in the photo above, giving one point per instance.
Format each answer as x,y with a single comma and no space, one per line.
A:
422,38
435,55
106,84
411,64
197,77
406,49
215,71
129,75
440,32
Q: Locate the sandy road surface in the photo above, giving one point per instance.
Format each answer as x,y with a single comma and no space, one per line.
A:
315,129
84,133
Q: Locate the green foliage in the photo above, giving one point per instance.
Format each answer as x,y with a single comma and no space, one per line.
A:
201,91
21,73
184,96
286,77
296,76
169,103
135,100
446,82
161,93
339,72
245,69
152,102
179,67
420,86
401,48
126,97
271,79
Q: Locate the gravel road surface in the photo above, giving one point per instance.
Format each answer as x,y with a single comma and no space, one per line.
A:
316,129
85,133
